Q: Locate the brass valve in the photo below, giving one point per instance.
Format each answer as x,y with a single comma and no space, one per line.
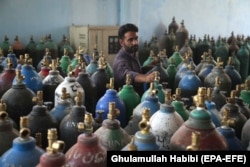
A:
70,71
168,98
39,98
51,136
231,99
24,121
247,84
128,79
217,82
131,145
230,61
3,106
144,124
176,48
9,63
65,95
195,142
38,137
45,62
65,51
1,52
19,76
201,97
157,76
219,62
177,95
24,133
238,90
10,49
87,125
27,59
53,65
3,115
111,83
78,98
113,112
21,59
209,94
101,63
226,121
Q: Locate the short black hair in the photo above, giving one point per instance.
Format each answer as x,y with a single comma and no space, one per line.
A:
125,28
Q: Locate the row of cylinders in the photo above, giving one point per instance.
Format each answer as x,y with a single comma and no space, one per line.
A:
198,126
112,91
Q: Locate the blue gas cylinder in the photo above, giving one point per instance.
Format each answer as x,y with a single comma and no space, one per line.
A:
234,143
13,58
24,151
111,95
31,77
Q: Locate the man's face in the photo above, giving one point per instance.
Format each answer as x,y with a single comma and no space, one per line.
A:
130,42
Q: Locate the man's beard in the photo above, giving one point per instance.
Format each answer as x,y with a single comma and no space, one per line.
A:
131,49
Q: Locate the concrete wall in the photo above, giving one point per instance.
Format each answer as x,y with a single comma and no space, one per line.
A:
38,18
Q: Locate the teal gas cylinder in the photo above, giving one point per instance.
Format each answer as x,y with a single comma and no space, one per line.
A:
30,48
50,83
217,71
111,95
87,151
233,142
165,122
5,45
68,125
155,85
77,58
171,71
13,57
244,109
40,52
144,139
72,87
111,135
24,151
93,65
14,98
7,132
244,57
39,119
235,113
1,60
65,44
150,59
245,93
6,77
211,108
31,77
179,104
65,61
176,56
52,46
151,102
63,106
199,121
130,98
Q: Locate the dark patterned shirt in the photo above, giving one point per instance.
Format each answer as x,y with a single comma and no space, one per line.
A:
124,64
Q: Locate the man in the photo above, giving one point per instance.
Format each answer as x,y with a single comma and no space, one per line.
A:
126,61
